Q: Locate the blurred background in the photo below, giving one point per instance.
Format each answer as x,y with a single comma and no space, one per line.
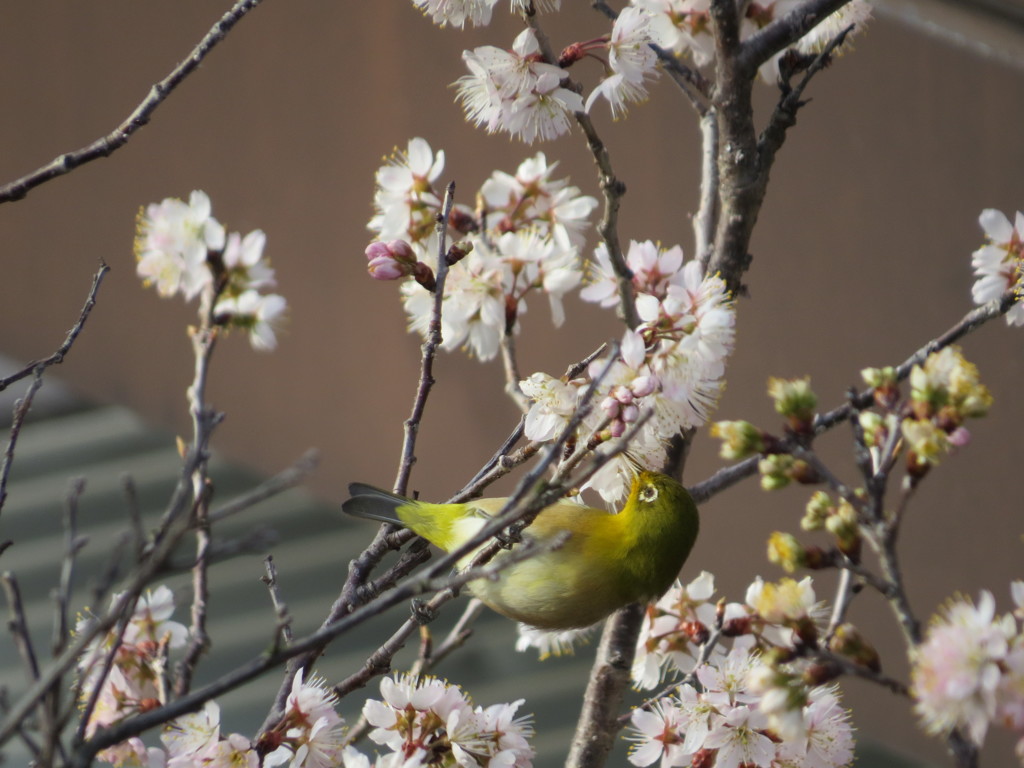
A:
861,254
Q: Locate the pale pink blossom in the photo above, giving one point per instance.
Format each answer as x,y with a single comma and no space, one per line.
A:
956,673
457,12
516,92
631,61
999,264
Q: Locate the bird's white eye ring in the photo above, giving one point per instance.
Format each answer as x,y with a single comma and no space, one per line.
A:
648,493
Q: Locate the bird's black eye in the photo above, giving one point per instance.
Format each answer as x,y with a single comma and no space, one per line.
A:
648,493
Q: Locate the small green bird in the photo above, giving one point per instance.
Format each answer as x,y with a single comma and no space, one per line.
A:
609,560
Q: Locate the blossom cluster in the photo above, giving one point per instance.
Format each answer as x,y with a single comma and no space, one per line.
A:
524,239
516,91
748,707
427,721
969,671
999,263
182,249
669,368
134,681
309,735
456,13
944,392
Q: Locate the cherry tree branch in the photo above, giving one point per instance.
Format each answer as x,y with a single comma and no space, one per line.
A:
429,348
37,368
972,321
612,190
140,116
783,32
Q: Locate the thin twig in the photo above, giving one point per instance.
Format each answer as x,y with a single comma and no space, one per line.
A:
612,189
138,533
282,481
498,460
17,625
58,357
511,368
284,620
454,640
72,545
117,138
429,348
21,409
784,116
204,419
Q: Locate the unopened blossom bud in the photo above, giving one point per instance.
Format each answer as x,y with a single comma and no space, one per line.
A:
643,386
611,406
696,631
795,400
623,394
458,251
571,54
816,558
737,627
873,427
820,673
843,522
390,260
630,413
774,471
740,439
784,550
385,268
847,641
617,428
885,385
804,473
462,220
960,437
877,378
818,509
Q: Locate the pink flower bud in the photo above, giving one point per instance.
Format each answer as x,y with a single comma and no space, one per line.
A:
623,395
385,268
617,428
402,251
960,437
630,413
643,386
391,260
610,406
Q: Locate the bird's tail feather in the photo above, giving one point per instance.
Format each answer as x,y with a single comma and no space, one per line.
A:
373,503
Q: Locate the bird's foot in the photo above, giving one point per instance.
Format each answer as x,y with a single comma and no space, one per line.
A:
422,613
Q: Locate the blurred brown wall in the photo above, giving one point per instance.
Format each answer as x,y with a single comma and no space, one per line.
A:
861,254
